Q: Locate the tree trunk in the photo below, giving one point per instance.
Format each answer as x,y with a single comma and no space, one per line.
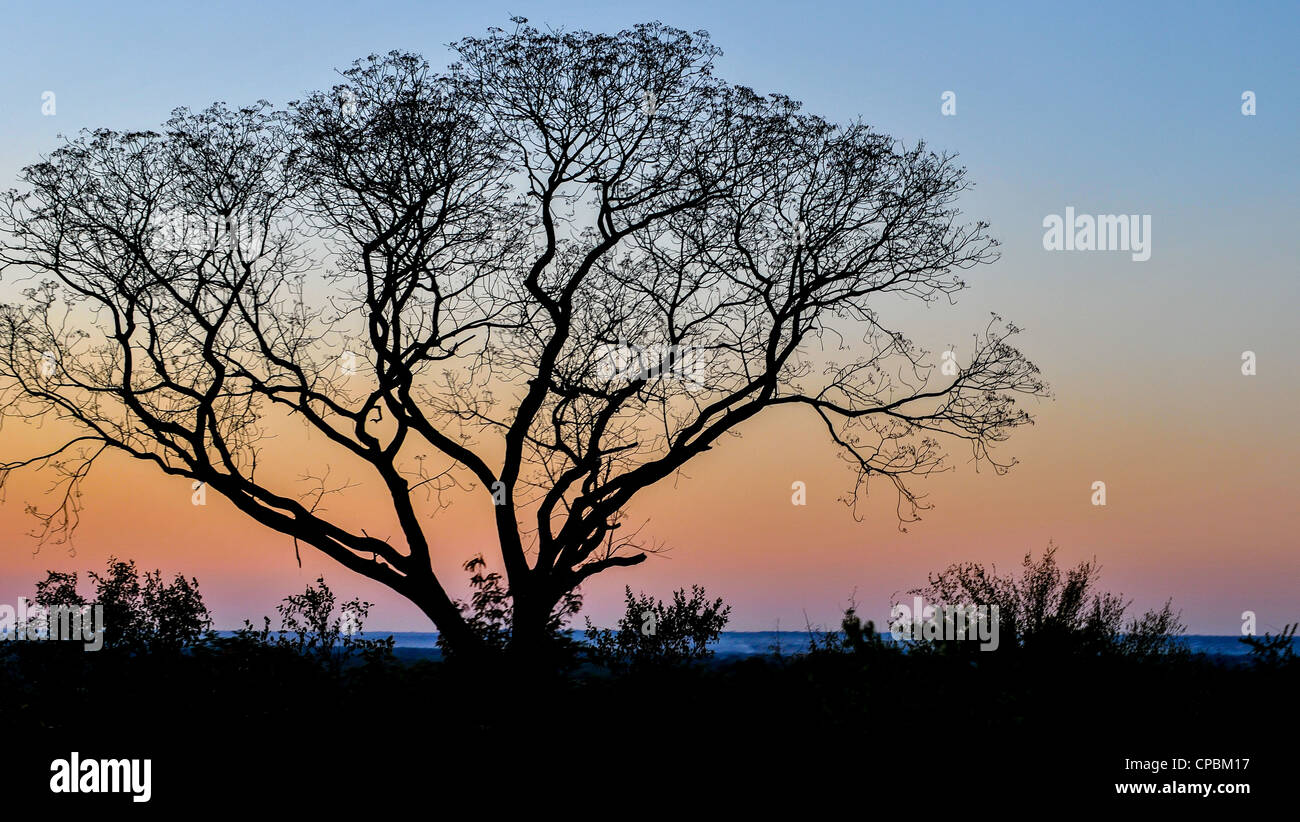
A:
531,646
453,630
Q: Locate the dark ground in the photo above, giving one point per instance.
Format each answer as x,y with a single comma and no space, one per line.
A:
824,735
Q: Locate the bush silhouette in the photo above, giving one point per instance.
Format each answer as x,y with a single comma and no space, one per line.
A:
141,614
652,633
314,626
855,637
1048,611
1273,651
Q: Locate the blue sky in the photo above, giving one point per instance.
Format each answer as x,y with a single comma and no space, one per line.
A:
1140,84
1117,107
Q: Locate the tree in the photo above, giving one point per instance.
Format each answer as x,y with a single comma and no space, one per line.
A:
564,268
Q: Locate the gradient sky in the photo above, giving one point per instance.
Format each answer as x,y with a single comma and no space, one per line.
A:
1108,108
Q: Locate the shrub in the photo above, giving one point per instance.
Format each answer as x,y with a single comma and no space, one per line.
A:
1047,611
140,614
1273,651
653,634
312,627
855,636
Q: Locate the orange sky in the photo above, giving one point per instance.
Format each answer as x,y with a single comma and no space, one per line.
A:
1199,492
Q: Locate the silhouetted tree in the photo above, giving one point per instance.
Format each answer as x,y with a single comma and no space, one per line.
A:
555,273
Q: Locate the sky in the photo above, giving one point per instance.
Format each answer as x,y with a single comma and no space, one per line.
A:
1105,109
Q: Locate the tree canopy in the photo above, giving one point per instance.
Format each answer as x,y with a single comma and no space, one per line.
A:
458,262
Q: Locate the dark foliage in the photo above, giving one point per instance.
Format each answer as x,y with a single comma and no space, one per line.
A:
490,616
655,634
141,614
1047,611
311,626
1271,651
855,695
